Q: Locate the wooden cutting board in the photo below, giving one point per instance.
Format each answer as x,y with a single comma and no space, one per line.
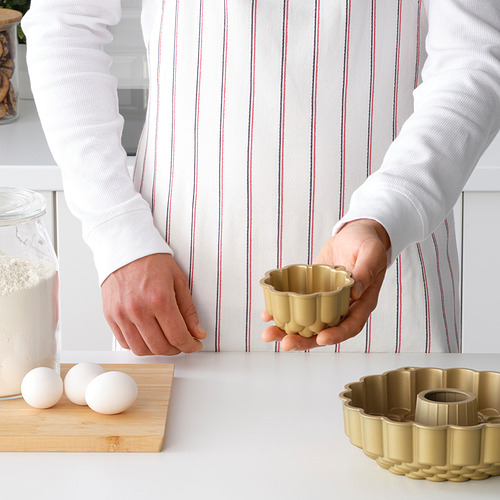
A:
69,427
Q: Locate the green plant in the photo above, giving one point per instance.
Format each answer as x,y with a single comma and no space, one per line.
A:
21,6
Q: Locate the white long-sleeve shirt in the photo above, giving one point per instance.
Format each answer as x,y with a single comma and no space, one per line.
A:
270,123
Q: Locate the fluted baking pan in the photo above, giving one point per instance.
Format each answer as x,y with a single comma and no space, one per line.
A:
379,418
306,299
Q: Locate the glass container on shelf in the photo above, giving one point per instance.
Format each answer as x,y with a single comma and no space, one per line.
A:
29,305
9,85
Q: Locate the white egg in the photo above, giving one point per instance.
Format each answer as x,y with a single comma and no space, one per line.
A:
110,393
42,387
78,378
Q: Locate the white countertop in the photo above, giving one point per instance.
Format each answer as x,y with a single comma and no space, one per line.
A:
26,161
244,426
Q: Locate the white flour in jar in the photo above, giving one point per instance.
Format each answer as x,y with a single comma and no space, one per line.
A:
28,320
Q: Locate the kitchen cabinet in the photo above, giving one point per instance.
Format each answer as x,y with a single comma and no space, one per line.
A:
481,272
127,48
83,326
49,219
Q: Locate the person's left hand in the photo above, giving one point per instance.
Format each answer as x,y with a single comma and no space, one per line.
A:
361,247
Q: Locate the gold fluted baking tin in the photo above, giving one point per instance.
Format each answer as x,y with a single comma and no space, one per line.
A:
379,418
306,299
444,406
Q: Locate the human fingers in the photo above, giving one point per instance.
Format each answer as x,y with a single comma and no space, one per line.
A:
265,316
152,294
288,342
272,334
356,318
152,335
118,334
177,317
133,338
371,263
298,343
173,325
187,308
361,246
133,322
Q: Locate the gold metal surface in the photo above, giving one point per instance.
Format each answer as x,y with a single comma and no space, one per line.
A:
379,418
306,299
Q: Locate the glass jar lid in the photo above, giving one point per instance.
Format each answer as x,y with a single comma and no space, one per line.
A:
9,16
20,205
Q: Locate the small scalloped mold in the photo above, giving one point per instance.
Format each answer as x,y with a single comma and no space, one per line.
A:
306,299
379,418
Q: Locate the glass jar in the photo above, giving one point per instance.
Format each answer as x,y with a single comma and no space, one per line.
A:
9,86
29,305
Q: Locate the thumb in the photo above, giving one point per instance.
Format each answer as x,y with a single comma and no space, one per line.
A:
370,263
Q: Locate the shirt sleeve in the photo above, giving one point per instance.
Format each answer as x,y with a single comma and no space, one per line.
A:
456,116
76,98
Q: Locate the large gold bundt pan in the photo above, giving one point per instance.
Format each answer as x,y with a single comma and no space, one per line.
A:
379,418
306,299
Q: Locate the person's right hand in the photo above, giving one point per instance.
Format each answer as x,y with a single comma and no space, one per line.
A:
361,247
149,308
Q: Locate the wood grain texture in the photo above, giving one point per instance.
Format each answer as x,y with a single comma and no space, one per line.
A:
69,427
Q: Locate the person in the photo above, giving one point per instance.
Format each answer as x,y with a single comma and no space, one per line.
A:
277,133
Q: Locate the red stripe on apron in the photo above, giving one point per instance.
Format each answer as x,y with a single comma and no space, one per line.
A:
438,268
196,144
172,153
314,107
249,176
459,348
221,180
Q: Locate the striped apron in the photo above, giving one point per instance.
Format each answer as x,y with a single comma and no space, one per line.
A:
264,116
